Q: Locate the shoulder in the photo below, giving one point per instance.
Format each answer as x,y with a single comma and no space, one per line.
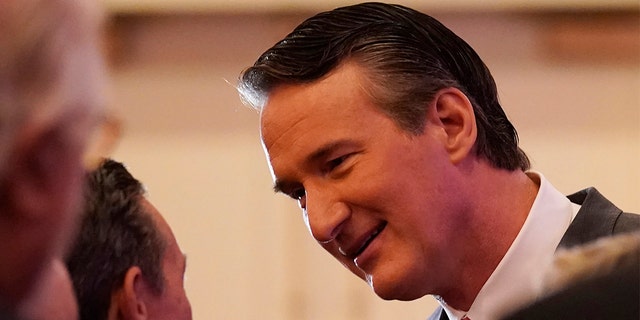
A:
598,217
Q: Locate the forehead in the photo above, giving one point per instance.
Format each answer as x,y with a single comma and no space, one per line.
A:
324,104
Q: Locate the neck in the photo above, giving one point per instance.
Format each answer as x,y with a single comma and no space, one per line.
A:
501,201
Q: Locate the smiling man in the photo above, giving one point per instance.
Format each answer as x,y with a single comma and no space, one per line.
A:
386,128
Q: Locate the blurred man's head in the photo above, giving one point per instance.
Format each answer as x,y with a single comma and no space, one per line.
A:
126,261
51,80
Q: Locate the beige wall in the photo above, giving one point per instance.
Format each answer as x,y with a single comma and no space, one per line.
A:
196,147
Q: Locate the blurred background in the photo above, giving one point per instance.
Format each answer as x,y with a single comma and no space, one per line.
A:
568,73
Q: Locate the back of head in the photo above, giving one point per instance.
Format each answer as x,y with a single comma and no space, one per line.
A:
408,57
115,234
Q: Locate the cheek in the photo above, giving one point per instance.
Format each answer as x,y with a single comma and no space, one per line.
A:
180,305
186,306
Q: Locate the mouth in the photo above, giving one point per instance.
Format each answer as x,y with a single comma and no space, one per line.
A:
361,245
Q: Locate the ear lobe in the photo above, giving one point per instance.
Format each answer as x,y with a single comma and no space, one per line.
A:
127,302
453,112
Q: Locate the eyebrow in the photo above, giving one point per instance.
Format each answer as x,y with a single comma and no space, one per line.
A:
281,186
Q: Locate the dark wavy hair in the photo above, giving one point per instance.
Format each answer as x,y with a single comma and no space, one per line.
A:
115,234
408,56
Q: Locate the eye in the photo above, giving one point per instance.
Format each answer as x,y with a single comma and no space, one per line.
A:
298,194
334,163
301,196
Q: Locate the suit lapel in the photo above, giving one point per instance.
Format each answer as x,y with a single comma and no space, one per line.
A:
596,218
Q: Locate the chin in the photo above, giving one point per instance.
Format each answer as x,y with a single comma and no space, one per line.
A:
394,290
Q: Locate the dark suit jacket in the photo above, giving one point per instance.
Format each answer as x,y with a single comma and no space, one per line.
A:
597,218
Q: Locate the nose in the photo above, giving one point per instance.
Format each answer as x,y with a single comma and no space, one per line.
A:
324,216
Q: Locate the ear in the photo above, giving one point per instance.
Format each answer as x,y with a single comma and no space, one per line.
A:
452,112
127,302
44,172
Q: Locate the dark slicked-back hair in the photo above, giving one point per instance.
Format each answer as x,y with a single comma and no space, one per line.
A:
407,56
115,235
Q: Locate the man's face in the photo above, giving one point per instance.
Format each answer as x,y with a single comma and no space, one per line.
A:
173,303
380,200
